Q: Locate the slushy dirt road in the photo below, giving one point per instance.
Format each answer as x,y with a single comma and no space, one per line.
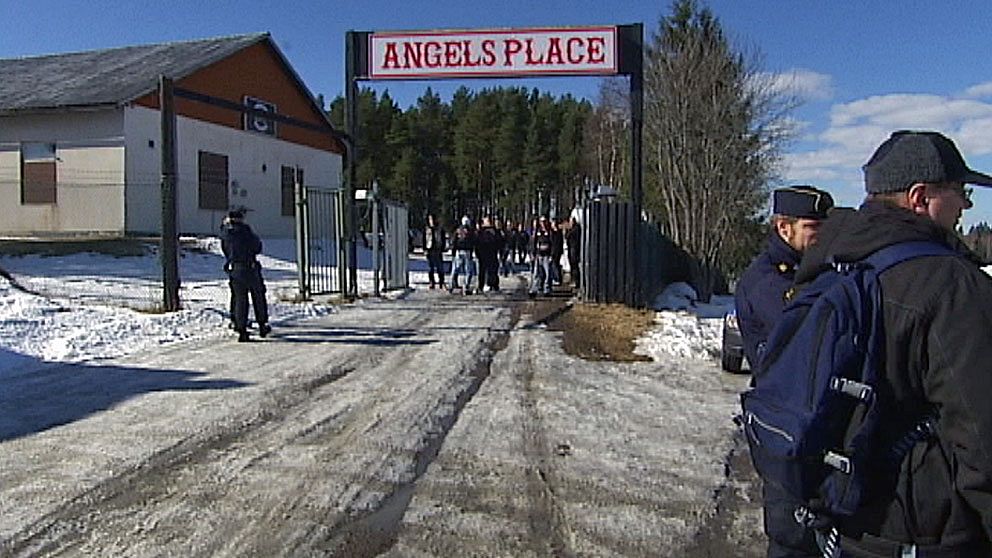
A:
432,425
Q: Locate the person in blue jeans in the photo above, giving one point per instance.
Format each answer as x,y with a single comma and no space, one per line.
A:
541,247
463,246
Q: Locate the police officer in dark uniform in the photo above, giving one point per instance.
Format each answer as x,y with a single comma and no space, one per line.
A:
241,247
761,295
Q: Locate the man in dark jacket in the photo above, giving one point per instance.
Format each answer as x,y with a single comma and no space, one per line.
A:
760,298
462,247
936,316
435,240
487,246
761,292
574,240
522,244
241,247
540,253
557,251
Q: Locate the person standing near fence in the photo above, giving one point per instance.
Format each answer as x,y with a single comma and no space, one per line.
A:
574,241
435,241
241,247
557,251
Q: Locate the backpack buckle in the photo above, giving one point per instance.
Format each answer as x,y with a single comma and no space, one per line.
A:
804,516
840,462
859,390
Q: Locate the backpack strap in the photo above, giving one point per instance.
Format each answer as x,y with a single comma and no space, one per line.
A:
894,254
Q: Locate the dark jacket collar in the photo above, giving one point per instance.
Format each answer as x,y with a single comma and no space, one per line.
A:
849,235
779,252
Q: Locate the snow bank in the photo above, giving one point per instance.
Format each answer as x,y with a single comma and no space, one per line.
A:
684,327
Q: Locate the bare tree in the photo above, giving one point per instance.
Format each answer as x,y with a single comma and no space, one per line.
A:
607,135
714,127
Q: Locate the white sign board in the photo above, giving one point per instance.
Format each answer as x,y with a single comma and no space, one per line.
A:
501,52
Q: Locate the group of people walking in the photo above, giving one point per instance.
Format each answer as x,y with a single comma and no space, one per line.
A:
491,249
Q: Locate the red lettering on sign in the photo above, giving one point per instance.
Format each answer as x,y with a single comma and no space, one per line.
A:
596,54
531,61
452,53
489,52
433,52
571,46
392,57
511,47
412,53
554,51
467,55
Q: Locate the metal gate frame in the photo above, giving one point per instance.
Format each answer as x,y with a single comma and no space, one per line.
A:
319,246
396,241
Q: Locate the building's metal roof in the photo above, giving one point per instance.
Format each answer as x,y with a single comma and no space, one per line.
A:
107,77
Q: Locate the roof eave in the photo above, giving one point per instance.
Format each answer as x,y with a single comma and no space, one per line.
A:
25,111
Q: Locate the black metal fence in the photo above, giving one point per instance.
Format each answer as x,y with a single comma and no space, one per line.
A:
626,259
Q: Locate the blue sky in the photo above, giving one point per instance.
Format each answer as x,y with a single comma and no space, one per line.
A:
864,68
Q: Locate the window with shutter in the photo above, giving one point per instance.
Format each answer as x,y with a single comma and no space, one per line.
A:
288,192
213,181
38,175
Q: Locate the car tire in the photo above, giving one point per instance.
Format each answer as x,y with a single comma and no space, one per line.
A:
731,363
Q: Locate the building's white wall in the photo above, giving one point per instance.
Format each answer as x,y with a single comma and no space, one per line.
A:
89,172
250,186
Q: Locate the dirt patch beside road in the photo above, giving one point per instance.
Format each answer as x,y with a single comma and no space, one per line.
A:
603,331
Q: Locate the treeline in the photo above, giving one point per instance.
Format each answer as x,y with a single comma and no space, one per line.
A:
510,152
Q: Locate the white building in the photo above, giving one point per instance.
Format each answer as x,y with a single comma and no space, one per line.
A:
80,139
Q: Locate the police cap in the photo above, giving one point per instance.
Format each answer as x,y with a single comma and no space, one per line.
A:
804,202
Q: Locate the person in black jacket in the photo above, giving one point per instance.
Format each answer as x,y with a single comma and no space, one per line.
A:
557,251
760,298
573,238
937,350
540,252
503,253
462,247
522,244
241,247
435,240
797,212
487,246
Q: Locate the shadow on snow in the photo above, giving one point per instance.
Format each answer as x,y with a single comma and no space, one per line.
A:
52,396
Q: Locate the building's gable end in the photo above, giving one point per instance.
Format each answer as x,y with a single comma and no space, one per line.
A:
258,71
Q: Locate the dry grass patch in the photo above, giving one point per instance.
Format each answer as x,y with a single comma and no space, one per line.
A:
603,331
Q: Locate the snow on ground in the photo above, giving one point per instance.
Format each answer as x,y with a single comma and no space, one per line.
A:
685,328
92,306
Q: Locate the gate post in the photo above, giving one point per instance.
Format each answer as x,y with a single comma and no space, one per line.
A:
375,238
169,243
302,239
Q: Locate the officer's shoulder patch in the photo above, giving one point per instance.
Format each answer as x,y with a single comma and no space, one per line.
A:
789,294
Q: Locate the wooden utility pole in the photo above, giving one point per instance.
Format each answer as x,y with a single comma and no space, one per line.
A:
169,244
